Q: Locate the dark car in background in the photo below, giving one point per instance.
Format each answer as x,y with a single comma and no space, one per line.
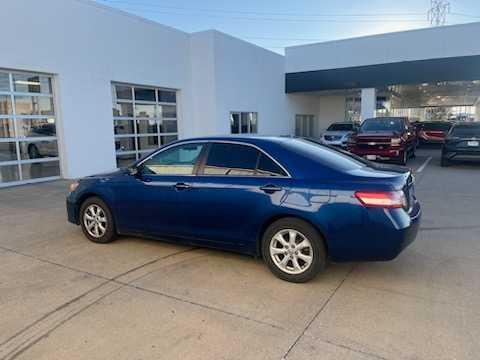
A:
433,132
461,143
294,203
384,139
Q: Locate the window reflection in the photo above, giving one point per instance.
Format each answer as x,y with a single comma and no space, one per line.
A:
123,110
147,142
32,83
40,170
125,160
5,104
123,127
6,128
144,111
147,127
8,151
9,173
151,115
125,144
36,127
4,82
38,149
168,111
33,105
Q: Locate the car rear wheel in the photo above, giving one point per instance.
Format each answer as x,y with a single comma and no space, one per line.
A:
96,221
293,250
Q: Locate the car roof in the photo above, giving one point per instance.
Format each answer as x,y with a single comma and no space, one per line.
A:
251,139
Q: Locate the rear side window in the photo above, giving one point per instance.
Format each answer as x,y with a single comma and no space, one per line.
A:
268,167
239,160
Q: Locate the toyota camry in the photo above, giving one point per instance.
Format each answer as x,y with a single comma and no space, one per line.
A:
292,202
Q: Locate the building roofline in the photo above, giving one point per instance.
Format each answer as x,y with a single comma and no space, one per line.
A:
111,9
437,28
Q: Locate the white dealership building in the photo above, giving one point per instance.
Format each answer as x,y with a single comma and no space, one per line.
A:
85,88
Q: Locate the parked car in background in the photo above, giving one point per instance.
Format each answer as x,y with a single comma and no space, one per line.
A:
337,134
462,142
385,139
290,201
433,132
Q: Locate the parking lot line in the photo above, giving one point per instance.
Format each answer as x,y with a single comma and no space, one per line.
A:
424,165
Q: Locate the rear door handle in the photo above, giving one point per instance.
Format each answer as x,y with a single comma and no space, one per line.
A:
182,186
270,189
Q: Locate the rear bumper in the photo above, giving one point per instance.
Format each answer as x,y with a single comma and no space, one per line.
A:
383,235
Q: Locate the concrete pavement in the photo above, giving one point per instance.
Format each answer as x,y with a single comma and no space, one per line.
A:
62,297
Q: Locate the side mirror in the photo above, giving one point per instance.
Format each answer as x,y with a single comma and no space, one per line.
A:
133,171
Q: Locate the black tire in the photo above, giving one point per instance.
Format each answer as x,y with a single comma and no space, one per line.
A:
402,159
414,152
33,152
307,231
109,234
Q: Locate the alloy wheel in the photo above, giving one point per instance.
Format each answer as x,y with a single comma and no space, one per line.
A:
95,221
291,251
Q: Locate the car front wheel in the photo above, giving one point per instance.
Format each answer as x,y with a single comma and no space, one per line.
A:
96,221
293,250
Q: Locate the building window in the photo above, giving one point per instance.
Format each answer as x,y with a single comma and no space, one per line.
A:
144,118
305,125
243,122
28,133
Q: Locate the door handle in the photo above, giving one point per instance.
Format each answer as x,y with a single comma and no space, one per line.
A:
270,189
182,186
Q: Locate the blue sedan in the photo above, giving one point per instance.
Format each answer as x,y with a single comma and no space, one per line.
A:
293,202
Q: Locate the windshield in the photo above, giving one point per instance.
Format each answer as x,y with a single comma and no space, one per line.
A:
436,126
466,131
340,127
382,124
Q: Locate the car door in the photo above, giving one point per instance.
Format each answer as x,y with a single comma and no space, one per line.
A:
154,199
237,186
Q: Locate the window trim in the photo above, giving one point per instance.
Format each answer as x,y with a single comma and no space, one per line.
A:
203,157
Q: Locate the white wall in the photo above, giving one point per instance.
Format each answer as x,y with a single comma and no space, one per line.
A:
330,109
249,78
430,43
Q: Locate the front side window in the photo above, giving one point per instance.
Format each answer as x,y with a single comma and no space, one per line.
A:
239,160
178,160
243,122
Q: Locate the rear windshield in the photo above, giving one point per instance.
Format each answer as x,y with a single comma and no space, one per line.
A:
335,159
437,126
340,127
466,130
383,124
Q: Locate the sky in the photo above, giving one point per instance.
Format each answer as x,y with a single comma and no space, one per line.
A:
276,24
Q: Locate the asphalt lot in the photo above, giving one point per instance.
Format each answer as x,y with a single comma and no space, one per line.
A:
62,297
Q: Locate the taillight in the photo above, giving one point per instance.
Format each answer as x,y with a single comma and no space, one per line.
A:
382,199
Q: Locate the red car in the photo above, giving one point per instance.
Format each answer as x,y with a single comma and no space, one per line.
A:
384,138
433,132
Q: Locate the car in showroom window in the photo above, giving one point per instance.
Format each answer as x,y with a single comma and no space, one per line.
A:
294,203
